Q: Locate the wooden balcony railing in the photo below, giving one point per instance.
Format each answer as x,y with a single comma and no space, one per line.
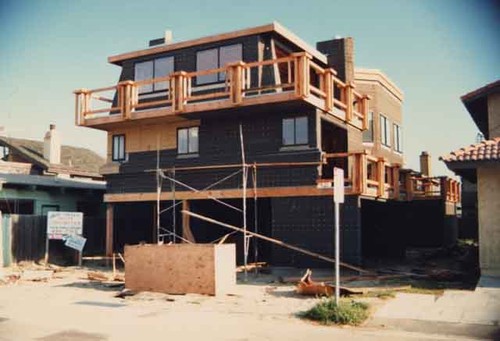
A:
366,174
295,77
418,187
373,176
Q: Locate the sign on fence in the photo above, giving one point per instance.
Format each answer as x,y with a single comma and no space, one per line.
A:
61,224
75,242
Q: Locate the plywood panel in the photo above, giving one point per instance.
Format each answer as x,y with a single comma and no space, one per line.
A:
180,268
142,138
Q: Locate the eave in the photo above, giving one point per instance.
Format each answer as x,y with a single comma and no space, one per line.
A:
273,27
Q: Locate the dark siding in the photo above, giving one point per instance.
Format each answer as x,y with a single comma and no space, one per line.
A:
220,144
308,223
390,227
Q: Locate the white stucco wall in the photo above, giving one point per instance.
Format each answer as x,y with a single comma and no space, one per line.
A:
489,219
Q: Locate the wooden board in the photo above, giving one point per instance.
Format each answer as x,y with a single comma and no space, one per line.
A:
181,268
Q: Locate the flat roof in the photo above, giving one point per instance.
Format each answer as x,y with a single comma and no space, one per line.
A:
375,75
273,27
51,181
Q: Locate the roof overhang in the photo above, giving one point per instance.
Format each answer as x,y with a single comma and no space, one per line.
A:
476,103
273,27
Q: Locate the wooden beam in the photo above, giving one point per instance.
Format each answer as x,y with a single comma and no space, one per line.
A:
186,223
233,193
275,241
109,229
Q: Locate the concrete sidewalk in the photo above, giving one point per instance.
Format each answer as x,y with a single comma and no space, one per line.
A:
471,313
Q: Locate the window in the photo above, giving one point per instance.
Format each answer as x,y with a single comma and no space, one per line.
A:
398,138
160,67
368,133
118,148
295,131
214,59
187,140
385,131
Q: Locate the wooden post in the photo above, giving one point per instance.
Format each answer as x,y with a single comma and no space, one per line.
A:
349,88
381,177
302,73
409,186
109,230
395,181
236,81
328,82
178,93
186,223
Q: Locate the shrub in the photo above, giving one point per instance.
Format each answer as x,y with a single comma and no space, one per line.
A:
346,312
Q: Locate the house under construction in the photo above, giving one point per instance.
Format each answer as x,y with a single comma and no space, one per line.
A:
246,127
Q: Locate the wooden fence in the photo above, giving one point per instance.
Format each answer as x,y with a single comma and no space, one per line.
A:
23,237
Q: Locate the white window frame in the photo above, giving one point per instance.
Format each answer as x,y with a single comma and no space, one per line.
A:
154,73
398,138
371,129
295,142
385,131
218,53
118,147
191,149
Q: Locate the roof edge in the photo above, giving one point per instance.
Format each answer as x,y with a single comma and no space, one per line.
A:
272,27
376,75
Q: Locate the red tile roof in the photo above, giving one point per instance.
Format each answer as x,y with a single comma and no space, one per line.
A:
488,150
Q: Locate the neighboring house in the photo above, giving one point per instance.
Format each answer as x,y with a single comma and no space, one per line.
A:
41,176
480,164
302,111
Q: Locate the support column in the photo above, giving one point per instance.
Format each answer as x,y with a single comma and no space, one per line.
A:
109,230
186,223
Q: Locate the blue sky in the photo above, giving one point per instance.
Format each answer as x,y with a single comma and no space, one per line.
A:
435,51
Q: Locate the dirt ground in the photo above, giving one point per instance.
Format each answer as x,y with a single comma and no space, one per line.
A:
56,304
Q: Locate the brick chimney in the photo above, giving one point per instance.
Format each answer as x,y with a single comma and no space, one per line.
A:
340,54
52,146
425,163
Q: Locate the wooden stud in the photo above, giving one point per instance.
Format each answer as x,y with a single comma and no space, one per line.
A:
109,230
186,223
349,101
395,181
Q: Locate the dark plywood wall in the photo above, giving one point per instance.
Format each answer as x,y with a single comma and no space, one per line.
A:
219,143
309,223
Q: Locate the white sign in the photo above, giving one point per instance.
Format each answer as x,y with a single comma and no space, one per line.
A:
338,185
75,242
61,224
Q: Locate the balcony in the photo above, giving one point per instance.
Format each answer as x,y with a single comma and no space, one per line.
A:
296,78
373,176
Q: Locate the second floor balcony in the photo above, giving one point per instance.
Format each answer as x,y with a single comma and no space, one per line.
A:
296,78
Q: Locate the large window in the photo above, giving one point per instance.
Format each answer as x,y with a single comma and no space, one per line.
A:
187,140
398,138
157,68
385,131
214,59
118,148
368,133
295,131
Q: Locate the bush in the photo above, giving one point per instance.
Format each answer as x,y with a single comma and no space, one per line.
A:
346,312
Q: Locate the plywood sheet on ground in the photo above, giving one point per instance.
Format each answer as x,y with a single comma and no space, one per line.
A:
181,268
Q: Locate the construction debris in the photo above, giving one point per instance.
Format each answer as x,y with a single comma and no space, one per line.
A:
37,275
125,292
251,266
274,241
307,286
102,277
